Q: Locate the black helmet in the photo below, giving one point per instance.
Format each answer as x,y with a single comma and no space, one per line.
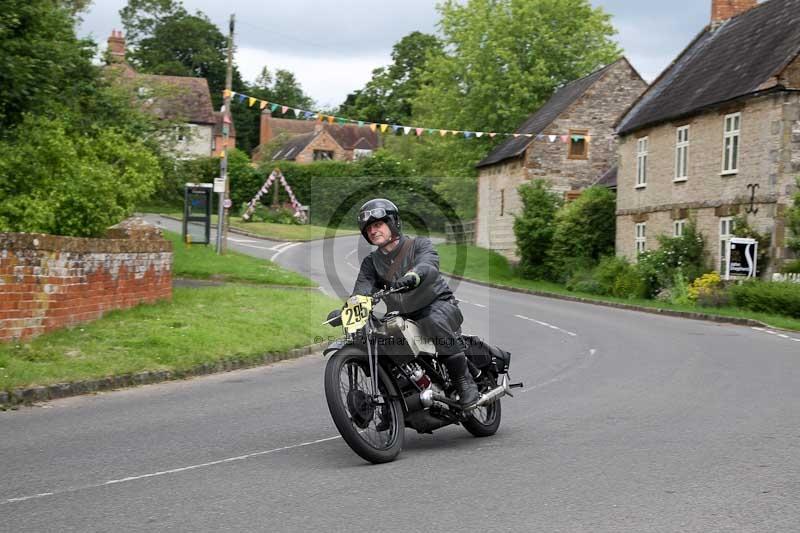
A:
379,209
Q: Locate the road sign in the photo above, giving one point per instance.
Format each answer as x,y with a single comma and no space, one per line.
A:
227,204
219,184
742,258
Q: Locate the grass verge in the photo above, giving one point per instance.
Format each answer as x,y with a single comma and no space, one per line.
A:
491,267
202,262
198,326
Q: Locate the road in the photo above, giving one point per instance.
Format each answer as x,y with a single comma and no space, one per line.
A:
628,422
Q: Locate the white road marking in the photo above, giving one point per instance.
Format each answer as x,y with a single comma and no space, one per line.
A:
167,472
776,334
240,240
283,249
479,305
546,325
351,265
278,247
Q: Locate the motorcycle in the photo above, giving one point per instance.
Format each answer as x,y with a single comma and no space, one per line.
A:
383,377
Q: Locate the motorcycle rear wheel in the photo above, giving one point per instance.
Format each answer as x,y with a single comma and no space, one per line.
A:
374,432
484,421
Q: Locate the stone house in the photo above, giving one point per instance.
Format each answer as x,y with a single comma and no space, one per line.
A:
569,142
305,141
182,99
717,135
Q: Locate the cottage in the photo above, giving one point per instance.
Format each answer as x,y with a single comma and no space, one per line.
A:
717,134
582,113
185,100
305,141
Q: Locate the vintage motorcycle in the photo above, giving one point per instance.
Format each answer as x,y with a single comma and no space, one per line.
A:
383,376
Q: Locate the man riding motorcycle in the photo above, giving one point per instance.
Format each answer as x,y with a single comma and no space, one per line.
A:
413,264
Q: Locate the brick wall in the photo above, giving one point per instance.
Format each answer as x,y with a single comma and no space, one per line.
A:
769,157
323,141
49,282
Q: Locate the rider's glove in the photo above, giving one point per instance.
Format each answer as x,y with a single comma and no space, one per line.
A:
409,281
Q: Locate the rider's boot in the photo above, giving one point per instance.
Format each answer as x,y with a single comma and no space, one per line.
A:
459,374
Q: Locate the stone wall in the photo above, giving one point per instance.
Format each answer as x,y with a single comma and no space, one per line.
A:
769,157
595,113
324,141
49,282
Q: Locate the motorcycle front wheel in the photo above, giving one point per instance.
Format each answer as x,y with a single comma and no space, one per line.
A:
370,421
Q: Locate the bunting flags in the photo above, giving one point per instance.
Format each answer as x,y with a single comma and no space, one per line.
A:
302,114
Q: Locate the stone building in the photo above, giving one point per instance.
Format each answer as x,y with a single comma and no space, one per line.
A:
569,142
304,141
717,135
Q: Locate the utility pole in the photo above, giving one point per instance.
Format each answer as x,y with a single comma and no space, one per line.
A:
222,217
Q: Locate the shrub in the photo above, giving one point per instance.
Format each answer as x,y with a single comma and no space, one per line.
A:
792,268
54,182
708,291
793,221
768,297
584,229
534,228
675,255
619,278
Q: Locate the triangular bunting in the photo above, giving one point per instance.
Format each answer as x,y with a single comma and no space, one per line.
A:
284,109
442,132
226,93
373,127
406,129
263,105
273,107
492,135
479,134
420,131
551,138
564,138
384,127
251,101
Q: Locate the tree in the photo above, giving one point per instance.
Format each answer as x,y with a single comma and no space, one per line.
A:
534,227
43,65
388,95
141,17
504,58
793,221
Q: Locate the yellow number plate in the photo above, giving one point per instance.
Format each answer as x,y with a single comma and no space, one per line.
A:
356,312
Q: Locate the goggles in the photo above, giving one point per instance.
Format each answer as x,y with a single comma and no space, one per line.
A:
376,214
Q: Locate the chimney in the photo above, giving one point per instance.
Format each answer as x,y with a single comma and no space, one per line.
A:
722,10
116,47
265,135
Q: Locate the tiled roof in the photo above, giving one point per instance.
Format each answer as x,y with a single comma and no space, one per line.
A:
742,56
292,148
608,178
538,122
350,135
177,97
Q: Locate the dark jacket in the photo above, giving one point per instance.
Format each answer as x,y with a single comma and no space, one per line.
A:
419,256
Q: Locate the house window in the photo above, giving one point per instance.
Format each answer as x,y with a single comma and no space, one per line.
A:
502,202
725,234
360,153
730,146
323,155
641,237
213,143
682,153
641,161
578,144
677,227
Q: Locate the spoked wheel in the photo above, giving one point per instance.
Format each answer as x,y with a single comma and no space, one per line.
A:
370,422
484,421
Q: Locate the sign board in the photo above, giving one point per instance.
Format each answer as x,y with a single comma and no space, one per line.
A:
227,203
197,212
741,258
219,184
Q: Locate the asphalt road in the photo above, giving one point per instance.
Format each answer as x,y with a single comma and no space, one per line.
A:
628,422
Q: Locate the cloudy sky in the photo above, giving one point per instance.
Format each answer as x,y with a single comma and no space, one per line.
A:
333,45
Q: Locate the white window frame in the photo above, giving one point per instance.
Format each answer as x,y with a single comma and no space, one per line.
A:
681,154
642,146
731,143
640,239
726,230
678,227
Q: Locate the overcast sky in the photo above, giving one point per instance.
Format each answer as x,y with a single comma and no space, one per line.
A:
333,45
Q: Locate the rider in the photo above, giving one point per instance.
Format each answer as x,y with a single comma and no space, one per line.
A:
413,264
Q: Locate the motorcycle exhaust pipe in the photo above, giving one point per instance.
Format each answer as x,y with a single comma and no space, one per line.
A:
496,393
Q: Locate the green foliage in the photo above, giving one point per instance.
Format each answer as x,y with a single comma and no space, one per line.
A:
613,276
42,63
792,267
768,297
387,96
743,230
534,228
584,232
52,181
682,255
504,58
